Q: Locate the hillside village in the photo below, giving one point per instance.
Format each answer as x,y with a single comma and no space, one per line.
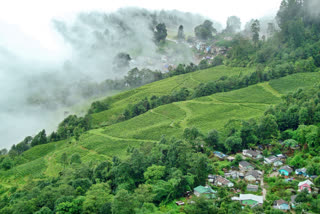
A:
246,180
236,130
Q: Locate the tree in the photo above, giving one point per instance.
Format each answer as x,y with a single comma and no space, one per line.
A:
96,197
181,35
121,60
271,29
268,127
44,210
154,173
233,24
201,205
213,138
255,29
75,159
205,30
64,159
123,203
160,33
191,133
7,163
73,207
233,144
40,138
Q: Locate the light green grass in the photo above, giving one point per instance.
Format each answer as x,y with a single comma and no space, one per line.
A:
295,81
164,87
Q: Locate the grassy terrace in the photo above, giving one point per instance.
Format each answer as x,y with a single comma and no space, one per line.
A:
205,113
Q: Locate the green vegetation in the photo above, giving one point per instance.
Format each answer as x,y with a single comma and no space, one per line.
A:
140,150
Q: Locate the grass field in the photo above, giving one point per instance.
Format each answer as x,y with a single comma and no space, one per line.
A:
165,87
205,113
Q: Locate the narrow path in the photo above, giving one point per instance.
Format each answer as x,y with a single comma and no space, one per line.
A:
268,88
264,191
183,122
99,133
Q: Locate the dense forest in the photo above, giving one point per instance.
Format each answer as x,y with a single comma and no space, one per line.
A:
154,175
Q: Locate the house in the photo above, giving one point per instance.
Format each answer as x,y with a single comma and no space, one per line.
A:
205,191
232,174
219,154
305,185
270,160
252,188
302,171
221,181
179,203
281,157
211,178
252,154
277,163
285,170
253,175
230,158
281,205
249,199
245,166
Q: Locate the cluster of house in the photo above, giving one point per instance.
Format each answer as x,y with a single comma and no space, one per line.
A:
248,172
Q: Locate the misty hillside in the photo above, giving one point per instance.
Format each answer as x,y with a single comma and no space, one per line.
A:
168,112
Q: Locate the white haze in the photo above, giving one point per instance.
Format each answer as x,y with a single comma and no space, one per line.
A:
48,51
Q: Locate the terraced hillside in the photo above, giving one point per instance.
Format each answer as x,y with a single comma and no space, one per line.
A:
165,87
205,113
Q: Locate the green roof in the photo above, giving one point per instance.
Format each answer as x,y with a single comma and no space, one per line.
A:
204,190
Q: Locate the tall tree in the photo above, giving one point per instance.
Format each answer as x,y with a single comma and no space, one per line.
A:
255,29
160,33
181,35
233,24
205,31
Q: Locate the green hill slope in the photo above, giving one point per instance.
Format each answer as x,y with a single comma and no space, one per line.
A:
165,87
205,113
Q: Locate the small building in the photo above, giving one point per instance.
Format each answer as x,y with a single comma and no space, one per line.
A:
204,191
281,205
221,181
252,154
281,157
305,185
249,199
302,171
253,176
232,174
277,163
219,154
231,158
270,160
245,166
285,170
252,188
211,178
179,203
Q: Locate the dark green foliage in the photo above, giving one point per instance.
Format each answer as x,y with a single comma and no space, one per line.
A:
72,126
40,138
75,159
121,60
136,77
160,33
99,106
255,29
147,104
205,31
180,34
